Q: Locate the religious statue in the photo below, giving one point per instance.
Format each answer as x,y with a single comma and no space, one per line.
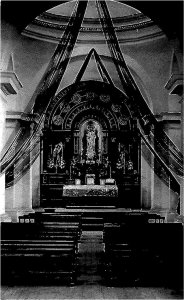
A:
121,163
90,143
124,162
130,165
56,157
75,167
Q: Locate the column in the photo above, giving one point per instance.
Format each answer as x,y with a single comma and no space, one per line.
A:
23,189
3,216
175,87
10,85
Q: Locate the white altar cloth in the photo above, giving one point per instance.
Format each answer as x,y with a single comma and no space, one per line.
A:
90,190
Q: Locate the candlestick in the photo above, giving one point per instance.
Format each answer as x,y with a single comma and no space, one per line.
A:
124,162
70,171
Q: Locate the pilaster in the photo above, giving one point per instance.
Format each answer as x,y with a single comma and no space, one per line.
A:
9,85
175,88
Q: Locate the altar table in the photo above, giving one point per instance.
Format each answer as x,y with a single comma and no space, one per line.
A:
90,190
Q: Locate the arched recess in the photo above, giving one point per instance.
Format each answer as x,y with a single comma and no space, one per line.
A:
89,96
96,114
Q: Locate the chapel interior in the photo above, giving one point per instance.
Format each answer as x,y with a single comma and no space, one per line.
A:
92,139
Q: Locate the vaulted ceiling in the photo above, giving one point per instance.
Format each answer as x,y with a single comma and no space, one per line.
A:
166,14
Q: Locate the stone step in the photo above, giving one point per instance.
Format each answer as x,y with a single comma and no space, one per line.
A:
92,227
89,279
91,206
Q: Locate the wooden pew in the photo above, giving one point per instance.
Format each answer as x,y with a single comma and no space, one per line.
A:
120,254
48,259
152,253
59,228
47,249
12,231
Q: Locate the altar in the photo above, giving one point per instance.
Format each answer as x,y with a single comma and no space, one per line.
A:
90,190
90,152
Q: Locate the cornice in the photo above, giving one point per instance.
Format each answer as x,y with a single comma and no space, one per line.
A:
19,116
175,84
92,21
54,39
131,29
61,27
9,83
169,117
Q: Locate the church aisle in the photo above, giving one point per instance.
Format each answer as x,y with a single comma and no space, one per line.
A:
85,292
91,249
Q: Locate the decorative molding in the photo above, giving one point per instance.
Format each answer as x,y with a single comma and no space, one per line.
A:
128,27
9,83
175,84
49,27
20,116
169,117
54,39
93,21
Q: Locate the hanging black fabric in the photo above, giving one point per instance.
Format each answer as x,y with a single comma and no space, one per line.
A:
23,142
101,68
144,114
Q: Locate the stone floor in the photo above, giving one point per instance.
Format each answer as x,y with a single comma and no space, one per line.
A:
86,292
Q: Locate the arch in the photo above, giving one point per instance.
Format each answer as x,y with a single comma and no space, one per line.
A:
89,97
90,109
84,116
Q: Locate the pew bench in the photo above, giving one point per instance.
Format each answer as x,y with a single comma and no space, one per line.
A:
149,253
45,251
57,229
49,259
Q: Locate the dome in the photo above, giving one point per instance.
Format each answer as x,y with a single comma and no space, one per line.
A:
130,24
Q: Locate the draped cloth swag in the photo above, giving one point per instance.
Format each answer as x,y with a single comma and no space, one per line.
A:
167,150
17,155
168,156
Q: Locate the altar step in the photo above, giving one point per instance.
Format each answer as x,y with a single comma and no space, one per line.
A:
92,223
91,207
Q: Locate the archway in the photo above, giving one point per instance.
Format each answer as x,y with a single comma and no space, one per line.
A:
97,131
